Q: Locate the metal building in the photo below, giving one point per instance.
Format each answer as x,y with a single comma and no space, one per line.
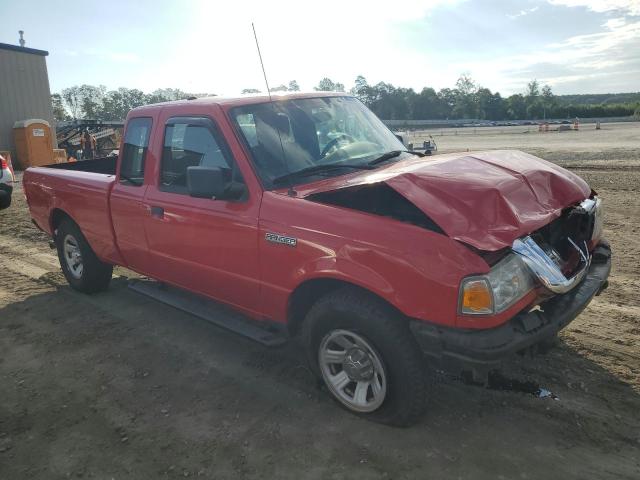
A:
24,90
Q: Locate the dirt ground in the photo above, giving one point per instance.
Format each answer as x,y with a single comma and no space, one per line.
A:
115,386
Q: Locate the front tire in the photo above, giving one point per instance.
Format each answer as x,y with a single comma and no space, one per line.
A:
80,265
364,353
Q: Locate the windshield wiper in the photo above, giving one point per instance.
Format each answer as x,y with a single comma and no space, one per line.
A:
387,156
319,169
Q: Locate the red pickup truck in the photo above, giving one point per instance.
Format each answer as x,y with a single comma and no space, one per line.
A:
309,217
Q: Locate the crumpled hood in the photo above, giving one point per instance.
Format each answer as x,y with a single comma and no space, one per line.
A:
485,199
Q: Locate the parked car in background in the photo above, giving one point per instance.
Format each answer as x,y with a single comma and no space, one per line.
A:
6,182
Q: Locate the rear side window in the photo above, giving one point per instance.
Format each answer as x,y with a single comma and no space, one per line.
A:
192,144
136,142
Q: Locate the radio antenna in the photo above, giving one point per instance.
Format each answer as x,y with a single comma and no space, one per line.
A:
255,35
291,192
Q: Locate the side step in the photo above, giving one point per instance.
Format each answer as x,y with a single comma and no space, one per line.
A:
209,310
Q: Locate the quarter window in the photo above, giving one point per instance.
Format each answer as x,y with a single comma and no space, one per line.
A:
136,143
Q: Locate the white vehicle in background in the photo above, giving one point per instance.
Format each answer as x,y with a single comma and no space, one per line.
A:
6,183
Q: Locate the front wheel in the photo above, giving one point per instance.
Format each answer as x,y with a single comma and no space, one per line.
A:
366,356
80,265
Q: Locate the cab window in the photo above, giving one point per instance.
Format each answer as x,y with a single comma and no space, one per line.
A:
193,142
136,143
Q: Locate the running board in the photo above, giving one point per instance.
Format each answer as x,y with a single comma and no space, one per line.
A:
209,310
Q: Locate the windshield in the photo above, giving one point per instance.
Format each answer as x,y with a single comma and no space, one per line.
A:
312,132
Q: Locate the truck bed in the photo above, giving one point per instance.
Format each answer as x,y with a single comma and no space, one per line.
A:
105,165
81,190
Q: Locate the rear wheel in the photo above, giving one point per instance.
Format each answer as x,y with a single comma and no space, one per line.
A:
5,201
366,356
80,265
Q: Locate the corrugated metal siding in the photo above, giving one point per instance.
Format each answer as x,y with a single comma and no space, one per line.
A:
24,92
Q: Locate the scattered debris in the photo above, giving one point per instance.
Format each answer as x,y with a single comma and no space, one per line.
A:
497,381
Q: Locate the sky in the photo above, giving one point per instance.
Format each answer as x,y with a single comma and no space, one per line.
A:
200,46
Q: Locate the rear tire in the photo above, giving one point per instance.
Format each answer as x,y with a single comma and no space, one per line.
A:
5,201
366,356
80,265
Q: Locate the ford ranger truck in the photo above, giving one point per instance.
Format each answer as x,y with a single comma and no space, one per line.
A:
307,215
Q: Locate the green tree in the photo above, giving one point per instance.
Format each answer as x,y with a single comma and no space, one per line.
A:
327,85
84,101
533,89
548,101
491,106
516,107
166,95
59,112
361,89
466,85
466,98
91,100
426,105
250,90
118,103
535,108
293,86
279,88
447,98
72,100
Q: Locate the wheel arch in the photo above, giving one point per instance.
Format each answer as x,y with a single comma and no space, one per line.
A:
307,293
56,217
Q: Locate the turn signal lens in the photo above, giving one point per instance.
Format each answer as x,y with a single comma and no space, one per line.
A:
477,297
508,281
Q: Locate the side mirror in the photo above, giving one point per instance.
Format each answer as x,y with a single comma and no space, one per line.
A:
211,182
399,137
206,182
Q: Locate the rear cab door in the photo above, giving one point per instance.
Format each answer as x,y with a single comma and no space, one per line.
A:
126,200
205,245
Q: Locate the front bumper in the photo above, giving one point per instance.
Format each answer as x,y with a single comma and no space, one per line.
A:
458,350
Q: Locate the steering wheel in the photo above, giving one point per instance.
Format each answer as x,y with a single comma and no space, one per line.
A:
333,143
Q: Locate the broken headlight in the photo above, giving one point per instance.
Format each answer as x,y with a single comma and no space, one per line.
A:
507,282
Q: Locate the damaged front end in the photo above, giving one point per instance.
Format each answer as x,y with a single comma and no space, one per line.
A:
558,254
566,263
377,199
550,261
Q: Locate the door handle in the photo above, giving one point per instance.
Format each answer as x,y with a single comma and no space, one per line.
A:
157,212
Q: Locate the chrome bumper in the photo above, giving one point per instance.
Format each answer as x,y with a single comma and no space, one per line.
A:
546,270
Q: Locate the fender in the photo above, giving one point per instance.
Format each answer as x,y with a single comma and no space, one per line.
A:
416,270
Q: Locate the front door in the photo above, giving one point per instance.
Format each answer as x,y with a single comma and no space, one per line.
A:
205,245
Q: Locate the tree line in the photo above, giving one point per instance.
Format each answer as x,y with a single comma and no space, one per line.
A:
98,103
467,100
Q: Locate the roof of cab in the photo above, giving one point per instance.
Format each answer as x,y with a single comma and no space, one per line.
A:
228,102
